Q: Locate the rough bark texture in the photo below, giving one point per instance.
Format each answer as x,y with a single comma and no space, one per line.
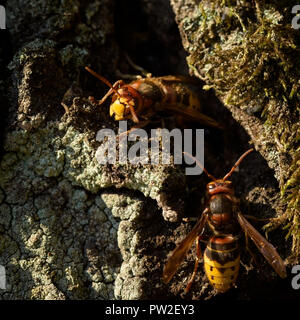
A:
248,52
72,229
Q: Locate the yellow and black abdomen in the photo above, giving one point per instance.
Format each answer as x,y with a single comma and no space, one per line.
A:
221,262
178,95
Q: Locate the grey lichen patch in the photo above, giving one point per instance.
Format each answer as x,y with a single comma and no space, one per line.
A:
50,165
132,273
82,168
249,54
133,214
52,227
59,226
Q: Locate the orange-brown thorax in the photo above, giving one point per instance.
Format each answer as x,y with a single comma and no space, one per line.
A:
221,205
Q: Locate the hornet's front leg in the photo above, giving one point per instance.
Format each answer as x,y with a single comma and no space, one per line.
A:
116,86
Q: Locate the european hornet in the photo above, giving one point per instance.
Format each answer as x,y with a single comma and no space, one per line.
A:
222,254
145,97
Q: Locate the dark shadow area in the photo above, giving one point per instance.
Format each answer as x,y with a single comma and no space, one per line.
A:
147,32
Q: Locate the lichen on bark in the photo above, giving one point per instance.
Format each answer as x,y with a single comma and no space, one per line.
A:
61,213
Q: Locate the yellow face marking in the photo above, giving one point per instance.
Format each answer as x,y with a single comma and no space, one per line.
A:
118,108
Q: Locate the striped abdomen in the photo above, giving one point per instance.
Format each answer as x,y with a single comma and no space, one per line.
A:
221,262
178,95
166,91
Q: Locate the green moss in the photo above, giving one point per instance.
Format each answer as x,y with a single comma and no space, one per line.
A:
249,53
